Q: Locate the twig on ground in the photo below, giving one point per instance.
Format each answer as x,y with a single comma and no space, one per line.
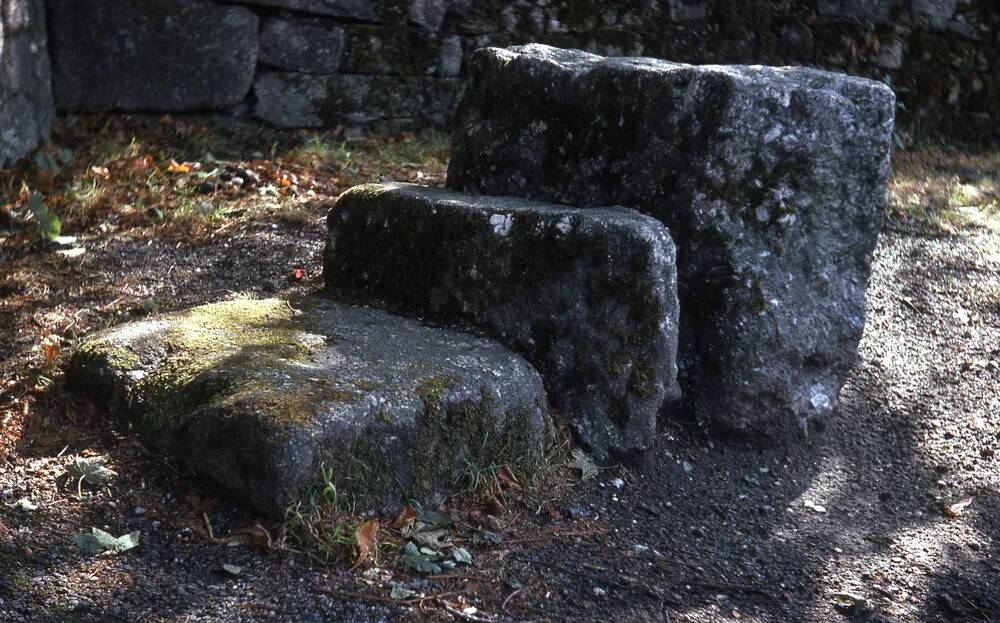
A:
465,617
726,586
416,601
557,535
208,526
509,597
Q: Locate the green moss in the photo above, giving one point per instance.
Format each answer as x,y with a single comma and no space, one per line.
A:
243,334
111,354
430,388
642,380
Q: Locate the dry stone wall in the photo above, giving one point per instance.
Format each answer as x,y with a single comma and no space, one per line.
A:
400,62
25,86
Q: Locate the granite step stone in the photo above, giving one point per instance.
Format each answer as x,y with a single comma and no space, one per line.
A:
587,296
771,180
259,394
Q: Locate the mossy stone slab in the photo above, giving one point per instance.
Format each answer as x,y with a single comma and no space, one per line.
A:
589,297
259,394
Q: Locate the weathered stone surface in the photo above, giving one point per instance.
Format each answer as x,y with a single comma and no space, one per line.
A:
875,10
771,180
25,85
259,394
935,13
169,55
352,9
388,50
293,100
683,10
587,296
428,14
306,45
450,63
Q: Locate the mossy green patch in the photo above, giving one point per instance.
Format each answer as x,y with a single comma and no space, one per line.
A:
245,335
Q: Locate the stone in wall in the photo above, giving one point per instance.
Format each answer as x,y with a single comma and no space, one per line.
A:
684,10
351,9
305,45
450,61
25,86
771,180
168,55
428,14
399,50
874,10
935,13
295,100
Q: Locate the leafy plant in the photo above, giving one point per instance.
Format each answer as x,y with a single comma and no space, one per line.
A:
49,226
52,162
98,541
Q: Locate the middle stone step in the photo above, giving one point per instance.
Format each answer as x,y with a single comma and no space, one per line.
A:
589,297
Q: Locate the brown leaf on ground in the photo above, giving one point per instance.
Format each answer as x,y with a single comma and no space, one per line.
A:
179,167
508,479
50,348
957,509
365,536
494,506
255,536
405,518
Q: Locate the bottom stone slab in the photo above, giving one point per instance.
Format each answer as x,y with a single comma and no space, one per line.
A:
260,394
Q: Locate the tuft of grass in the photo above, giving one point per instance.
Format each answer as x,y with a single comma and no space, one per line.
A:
321,525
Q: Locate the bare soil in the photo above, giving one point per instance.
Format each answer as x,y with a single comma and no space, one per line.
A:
891,514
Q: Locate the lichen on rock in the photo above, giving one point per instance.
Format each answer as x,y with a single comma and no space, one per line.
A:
258,394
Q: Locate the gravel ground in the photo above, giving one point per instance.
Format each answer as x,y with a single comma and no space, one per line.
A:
712,530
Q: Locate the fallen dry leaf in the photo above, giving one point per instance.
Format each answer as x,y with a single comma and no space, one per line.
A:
365,536
179,167
405,518
255,536
958,508
50,348
508,479
142,163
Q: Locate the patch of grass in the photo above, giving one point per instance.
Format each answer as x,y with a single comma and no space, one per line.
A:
321,524
947,187
174,176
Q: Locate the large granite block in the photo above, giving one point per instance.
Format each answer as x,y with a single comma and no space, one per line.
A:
771,180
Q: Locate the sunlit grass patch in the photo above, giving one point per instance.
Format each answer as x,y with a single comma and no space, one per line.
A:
183,177
947,187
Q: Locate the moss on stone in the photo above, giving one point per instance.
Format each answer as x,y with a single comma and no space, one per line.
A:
239,334
430,388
